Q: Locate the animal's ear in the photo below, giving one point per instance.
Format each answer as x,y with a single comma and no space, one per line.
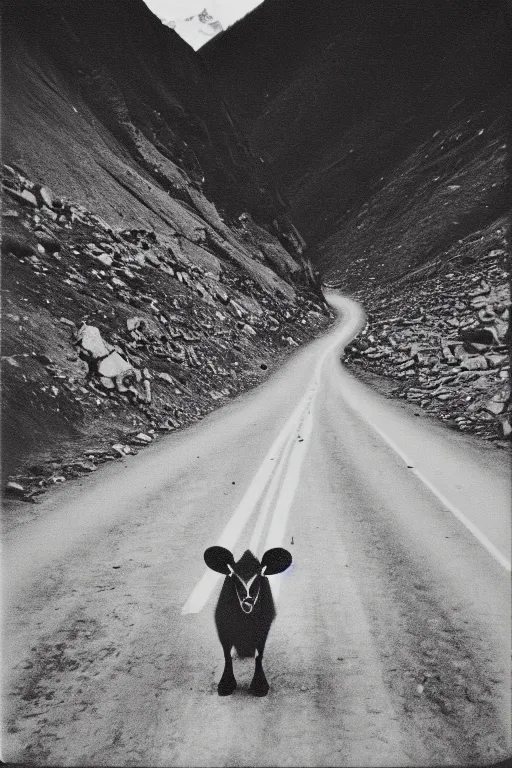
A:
276,560
218,559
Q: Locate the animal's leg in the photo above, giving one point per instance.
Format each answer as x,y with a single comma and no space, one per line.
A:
259,685
227,683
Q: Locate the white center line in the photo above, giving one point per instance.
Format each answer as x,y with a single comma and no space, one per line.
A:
233,529
269,498
288,469
284,501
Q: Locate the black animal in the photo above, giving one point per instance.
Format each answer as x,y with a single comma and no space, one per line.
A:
245,609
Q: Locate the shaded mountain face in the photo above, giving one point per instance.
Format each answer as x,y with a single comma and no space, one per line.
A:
108,106
135,221
384,123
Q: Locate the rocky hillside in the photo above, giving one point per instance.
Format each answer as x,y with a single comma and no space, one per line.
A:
442,341
149,272
114,110
385,124
345,95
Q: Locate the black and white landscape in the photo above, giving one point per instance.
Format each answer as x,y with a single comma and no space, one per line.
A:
256,296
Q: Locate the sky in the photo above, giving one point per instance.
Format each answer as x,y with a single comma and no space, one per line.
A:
225,11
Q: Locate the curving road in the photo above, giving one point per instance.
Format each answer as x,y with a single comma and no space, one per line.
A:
392,640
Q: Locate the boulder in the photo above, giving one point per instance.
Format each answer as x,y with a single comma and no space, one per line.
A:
166,377
135,323
474,363
104,258
496,361
107,383
14,489
84,466
113,365
47,212
25,197
459,352
121,450
493,406
506,427
89,338
477,336
142,439
44,195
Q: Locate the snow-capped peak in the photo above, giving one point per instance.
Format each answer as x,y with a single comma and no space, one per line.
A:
195,30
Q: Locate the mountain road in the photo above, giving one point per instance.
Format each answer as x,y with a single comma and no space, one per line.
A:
391,645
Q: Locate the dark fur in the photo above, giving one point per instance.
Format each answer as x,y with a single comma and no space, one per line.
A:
246,632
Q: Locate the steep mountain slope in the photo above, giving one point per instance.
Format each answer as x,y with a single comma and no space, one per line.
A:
385,125
148,270
108,106
336,98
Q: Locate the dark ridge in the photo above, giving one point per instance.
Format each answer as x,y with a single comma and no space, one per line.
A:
119,66
337,97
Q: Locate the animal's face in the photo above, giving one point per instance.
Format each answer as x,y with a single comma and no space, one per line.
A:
247,591
245,576
247,573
